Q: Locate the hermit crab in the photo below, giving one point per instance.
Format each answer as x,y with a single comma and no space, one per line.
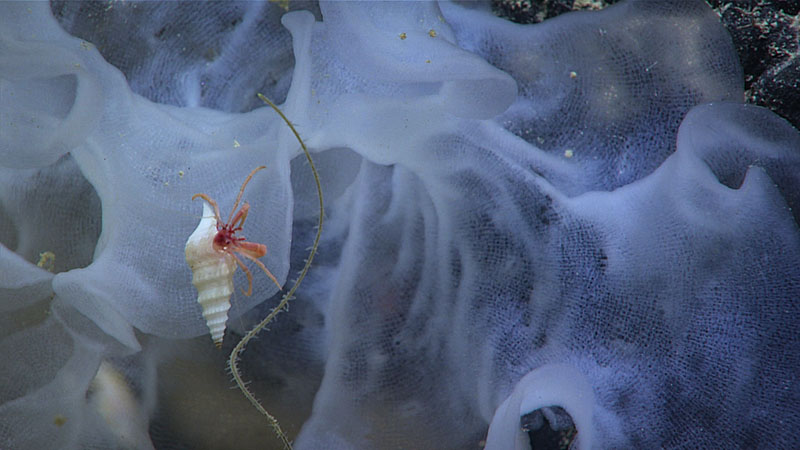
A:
213,251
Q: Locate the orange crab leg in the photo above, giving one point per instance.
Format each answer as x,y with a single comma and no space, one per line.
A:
241,191
240,216
246,272
264,268
252,249
210,202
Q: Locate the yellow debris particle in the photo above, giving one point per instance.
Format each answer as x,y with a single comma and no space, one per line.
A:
568,153
432,33
402,36
236,144
573,75
284,4
427,61
180,173
47,261
59,420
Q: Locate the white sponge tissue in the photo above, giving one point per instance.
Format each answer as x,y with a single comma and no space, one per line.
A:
576,216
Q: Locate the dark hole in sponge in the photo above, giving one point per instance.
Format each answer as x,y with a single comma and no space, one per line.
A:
549,428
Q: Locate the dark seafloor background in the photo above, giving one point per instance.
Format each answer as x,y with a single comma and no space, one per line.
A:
765,33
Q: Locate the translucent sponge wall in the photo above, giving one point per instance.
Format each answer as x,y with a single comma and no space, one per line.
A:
577,214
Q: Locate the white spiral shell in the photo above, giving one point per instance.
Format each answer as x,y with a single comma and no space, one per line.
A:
212,274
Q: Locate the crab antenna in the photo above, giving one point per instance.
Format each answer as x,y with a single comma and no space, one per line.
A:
212,203
241,191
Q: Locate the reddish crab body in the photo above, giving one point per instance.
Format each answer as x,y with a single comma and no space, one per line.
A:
226,241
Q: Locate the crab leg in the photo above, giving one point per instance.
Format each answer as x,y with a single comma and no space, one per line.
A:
246,272
240,217
264,268
241,191
212,203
